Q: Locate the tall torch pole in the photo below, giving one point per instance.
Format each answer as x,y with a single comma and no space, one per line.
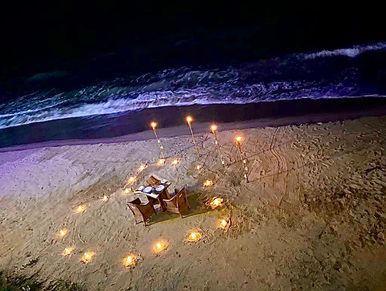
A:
213,129
189,120
153,125
238,140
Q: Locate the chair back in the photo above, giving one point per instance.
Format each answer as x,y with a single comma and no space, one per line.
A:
153,181
134,206
178,203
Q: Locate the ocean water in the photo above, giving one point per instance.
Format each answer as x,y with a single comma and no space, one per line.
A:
341,73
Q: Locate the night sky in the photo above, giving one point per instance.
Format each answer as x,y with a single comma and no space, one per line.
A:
43,35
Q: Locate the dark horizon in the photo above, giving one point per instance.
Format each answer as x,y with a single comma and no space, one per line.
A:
39,37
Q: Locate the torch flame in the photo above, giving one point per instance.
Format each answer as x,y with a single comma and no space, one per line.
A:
189,119
213,127
130,261
80,209
67,251
208,183
238,138
193,236
153,124
63,232
216,202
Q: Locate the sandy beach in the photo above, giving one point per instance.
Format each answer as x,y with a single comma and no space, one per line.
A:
311,217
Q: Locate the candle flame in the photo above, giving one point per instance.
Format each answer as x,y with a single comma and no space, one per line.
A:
193,236
105,198
67,251
175,162
153,124
189,119
216,202
131,180
213,127
161,162
130,261
141,167
223,223
63,232
87,257
208,183
80,209
160,246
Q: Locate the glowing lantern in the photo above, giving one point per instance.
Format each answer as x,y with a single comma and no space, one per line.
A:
67,251
80,209
87,257
189,119
213,128
216,202
193,236
130,261
160,246
238,139
63,232
208,183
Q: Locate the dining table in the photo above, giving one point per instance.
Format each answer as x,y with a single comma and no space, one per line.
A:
156,193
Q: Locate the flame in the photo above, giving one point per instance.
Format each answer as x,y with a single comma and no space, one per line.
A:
80,209
213,127
198,167
189,119
193,236
175,162
161,162
216,202
131,180
160,246
130,261
67,251
141,168
222,223
153,124
105,198
87,257
208,183
238,138
63,232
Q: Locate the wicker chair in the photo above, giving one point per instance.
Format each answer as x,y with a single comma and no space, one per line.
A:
178,203
141,212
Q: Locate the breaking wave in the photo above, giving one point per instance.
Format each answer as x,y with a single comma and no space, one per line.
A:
314,75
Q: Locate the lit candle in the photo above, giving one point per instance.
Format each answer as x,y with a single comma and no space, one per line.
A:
63,232
223,223
80,209
67,251
87,257
193,236
160,246
216,202
130,261
208,183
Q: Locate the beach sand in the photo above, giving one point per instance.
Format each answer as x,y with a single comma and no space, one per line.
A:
311,217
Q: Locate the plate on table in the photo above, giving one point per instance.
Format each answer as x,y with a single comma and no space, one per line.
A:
159,188
147,189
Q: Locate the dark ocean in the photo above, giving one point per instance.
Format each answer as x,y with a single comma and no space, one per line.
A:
47,97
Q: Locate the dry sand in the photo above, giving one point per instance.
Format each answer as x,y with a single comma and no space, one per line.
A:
311,217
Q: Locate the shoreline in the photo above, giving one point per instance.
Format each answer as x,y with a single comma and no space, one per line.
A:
109,129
